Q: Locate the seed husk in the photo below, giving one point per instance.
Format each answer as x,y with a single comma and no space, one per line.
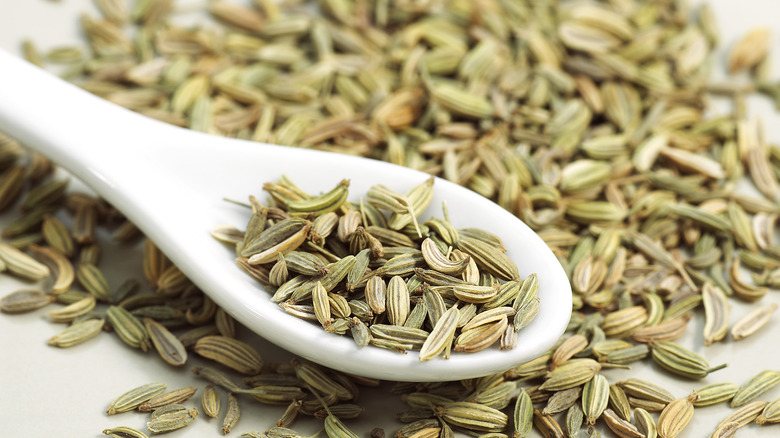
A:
716,311
232,415
752,322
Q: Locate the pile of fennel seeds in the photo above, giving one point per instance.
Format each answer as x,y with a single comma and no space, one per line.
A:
370,269
593,133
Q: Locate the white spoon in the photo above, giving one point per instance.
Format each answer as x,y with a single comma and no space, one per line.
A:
171,182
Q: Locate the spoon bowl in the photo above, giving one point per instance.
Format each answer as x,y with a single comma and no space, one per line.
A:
171,183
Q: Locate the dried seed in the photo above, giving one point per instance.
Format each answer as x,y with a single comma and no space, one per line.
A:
334,428
59,266
482,337
618,402
398,305
715,393
546,424
124,432
167,345
646,390
171,417
472,416
131,399
573,373
489,257
313,376
440,338
171,397
759,384
523,414
57,236
574,418
622,322
19,263
73,311
770,414
571,346
77,333
93,280
210,401
25,300
751,49
676,416
681,361
561,401
668,330
645,423
230,352
595,396
744,415
746,291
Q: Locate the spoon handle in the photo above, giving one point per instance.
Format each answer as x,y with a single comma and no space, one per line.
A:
129,159
96,140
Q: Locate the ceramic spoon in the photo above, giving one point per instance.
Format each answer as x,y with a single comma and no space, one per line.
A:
171,183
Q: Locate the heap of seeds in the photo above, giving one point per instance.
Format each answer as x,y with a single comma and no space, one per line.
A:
587,120
354,268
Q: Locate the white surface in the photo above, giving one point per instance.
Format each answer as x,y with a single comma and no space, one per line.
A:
52,392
